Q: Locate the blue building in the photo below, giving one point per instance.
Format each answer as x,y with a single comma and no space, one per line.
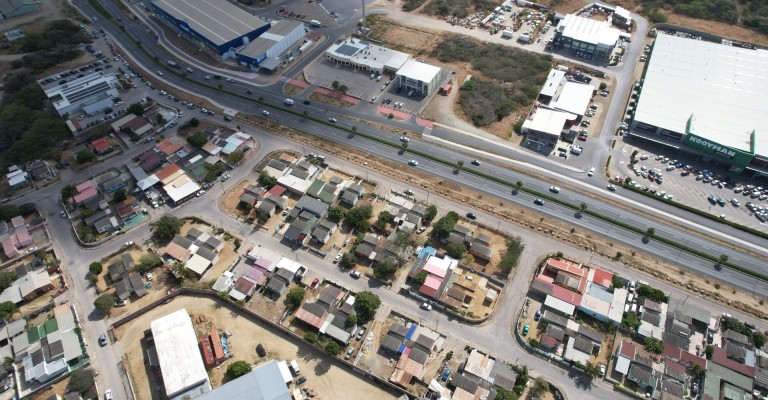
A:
214,25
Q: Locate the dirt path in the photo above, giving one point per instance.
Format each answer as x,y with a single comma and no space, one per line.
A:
327,379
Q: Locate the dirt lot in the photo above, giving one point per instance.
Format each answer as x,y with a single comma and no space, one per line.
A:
323,98
327,379
292,90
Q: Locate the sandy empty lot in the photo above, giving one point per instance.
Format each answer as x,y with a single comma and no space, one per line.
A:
327,379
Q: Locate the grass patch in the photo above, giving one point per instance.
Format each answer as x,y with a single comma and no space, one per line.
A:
410,5
324,98
516,77
459,8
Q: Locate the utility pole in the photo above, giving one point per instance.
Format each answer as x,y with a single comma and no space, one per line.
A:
364,30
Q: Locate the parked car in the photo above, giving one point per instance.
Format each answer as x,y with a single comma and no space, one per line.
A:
360,333
102,340
349,353
337,258
108,394
525,330
426,306
301,380
537,316
471,215
355,274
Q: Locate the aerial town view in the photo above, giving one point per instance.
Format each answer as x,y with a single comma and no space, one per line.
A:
383,199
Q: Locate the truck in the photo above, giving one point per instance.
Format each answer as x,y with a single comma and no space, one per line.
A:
315,23
524,38
295,367
506,34
288,102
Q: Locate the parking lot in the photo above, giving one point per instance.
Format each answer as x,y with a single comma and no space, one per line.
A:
701,186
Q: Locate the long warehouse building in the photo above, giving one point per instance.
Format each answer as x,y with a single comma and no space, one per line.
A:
707,99
215,25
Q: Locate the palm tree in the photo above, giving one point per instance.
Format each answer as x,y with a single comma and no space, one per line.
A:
354,130
592,370
649,232
460,163
404,147
722,259
582,208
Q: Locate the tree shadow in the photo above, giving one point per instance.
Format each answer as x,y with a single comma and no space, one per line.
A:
322,367
96,315
718,267
582,380
456,171
645,239
578,215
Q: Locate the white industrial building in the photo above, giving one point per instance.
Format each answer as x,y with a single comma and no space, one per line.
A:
418,78
709,97
91,93
574,98
368,57
265,50
178,355
546,124
586,38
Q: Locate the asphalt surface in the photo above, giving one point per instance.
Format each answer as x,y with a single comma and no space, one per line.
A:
106,358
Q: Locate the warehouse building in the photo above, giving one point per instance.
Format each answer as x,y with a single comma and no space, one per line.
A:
707,99
181,364
586,38
15,8
91,94
215,25
547,125
362,55
265,51
417,78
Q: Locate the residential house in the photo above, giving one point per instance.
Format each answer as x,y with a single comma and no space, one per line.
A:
112,185
280,280
150,161
101,146
34,284
248,199
323,231
17,178
38,169
85,191
310,205
137,126
300,228
480,250
127,208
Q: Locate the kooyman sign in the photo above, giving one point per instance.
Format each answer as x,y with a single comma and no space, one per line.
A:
738,157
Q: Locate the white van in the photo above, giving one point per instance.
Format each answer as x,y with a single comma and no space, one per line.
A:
288,102
576,150
295,368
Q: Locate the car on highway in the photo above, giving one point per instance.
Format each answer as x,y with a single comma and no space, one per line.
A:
611,188
337,258
230,80
426,306
332,120
554,189
404,139
129,243
591,171
160,73
471,215
538,202
413,163
102,340
355,274
265,112
476,162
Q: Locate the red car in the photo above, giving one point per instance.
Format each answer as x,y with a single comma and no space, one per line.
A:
583,138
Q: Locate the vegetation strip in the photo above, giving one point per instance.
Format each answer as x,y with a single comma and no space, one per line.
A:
639,231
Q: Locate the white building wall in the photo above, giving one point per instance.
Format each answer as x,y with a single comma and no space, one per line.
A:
286,42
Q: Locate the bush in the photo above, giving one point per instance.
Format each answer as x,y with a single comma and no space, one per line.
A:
148,261
84,157
651,293
652,345
95,268
105,302
310,337
238,369
166,228
9,211
511,256
332,348
421,277
358,217
197,140
266,180
456,250
81,380
296,295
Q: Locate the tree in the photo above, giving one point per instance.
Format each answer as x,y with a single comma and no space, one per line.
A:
87,213
194,122
651,293
354,130
95,268
540,386
722,259
403,146
267,180
604,85
385,269
460,164
649,232
332,348
758,339
335,85
518,186
234,157
421,277
347,261
238,369
296,295
81,380
617,281
9,211
592,370
136,108
582,208
166,228
148,261
105,302
402,239
367,303
449,356
351,320
698,372
631,320
197,140
456,250
85,157
384,218
504,394
511,256
67,192
708,351
430,213
533,342
336,214
119,195
653,345
310,337
358,217
7,310
6,279
443,226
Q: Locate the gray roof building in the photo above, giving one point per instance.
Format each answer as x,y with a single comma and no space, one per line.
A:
391,343
464,382
419,356
737,337
312,205
398,329
265,382
329,295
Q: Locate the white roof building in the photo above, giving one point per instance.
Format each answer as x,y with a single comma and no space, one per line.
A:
722,89
92,93
559,305
587,30
554,79
181,187
574,98
547,121
179,357
419,71
369,57
289,265
198,264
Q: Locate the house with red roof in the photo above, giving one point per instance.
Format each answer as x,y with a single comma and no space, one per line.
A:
100,145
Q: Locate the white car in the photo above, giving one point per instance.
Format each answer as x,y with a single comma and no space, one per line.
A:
409,192
150,276
611,188
554,189
355,274
108,394
265,112
160,73
602,370
413,163
644,157
404,139
591,171
337,258
426,306
200,193
129,243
